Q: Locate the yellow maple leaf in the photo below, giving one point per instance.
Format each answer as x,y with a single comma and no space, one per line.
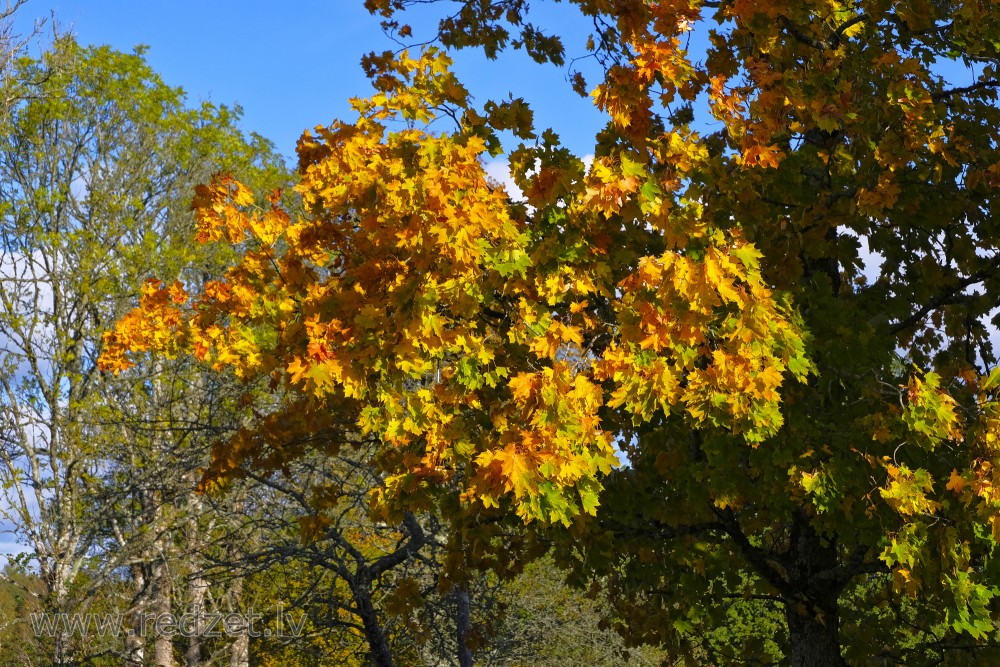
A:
956,483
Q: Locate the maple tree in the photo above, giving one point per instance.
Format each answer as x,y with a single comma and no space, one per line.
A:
799,436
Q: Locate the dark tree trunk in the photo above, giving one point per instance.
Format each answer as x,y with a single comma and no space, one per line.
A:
815,637
812,617
380,654
463,625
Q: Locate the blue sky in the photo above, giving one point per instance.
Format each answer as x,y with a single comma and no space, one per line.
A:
294,65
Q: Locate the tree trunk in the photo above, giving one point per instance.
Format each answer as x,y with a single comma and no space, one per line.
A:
463,623
163,643
239,650
381,655
197,591
239,655
135,647
815,637
135,642
812,617
197,584
61,648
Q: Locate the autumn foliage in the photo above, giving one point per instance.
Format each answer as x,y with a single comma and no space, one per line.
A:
795,427
411,301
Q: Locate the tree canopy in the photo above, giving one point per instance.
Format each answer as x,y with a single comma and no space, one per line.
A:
742,363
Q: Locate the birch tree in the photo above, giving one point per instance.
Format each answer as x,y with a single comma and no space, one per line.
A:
96,172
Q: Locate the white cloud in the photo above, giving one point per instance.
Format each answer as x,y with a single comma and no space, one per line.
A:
499,172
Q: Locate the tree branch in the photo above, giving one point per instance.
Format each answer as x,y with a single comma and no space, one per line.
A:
986,83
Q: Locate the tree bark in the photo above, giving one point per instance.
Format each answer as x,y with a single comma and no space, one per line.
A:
197,591
815,636
239,650
163,643
135,642
239,655
463,623
381,655
197,584
812,615
61,648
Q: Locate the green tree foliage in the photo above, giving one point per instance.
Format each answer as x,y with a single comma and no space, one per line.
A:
97,168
